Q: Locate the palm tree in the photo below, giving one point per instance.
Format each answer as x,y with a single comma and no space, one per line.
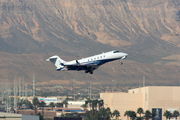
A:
105,113
132,115
42,104
28,104
167,114
51,105
19,104
101,104
108,113
140,111
65,102
86,103
176,114
89,103
147,114
116,114
35,103
95,104
139,118
127,114
59,105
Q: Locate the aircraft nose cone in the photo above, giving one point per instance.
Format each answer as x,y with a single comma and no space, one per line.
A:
125,54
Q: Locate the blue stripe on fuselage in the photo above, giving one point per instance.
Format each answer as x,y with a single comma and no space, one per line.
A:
83,66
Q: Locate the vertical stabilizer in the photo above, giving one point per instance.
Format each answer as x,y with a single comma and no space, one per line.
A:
56,61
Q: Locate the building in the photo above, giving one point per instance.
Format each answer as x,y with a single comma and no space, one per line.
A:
157,98
75,104
12,116
47,100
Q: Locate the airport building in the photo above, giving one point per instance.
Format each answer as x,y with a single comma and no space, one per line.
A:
152,98
12,116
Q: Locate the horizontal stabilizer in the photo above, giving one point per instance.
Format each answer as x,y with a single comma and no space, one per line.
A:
58,62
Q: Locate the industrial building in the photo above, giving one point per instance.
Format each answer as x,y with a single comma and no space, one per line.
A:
158,98
12,116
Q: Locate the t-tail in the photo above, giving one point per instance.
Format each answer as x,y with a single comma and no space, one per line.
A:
57,61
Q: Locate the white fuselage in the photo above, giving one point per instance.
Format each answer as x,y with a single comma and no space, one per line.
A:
98,59
88,64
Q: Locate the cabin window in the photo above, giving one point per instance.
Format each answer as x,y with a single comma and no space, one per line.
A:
97,57
91,59
94,58
101,56
104,55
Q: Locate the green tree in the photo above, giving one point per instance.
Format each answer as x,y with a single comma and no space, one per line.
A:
101,104
175,114
19,104
147,114
95,102
65,103
139,118
108,113
140,111
127,113
42,104
40,116
59,104
94,107
88,115
35,103
167,114
105,114
28,104
116,114
51,105
89,103
132,115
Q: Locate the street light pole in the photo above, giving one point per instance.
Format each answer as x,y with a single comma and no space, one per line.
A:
114,84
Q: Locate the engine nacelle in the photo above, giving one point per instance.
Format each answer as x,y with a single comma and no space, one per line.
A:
74,62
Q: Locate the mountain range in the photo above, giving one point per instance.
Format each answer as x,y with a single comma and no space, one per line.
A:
148,30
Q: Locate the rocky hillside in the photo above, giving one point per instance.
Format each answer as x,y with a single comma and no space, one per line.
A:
33,30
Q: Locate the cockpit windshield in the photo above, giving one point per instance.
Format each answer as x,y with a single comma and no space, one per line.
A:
116,51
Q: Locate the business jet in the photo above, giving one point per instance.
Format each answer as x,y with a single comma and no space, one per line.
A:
88,64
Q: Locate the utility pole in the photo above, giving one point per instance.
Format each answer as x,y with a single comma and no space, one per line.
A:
114,85
23,91
26,88
90,88
74,89
19,89
8,99
15,96
33,86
